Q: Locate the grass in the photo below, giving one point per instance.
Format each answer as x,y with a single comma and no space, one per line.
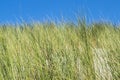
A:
60,52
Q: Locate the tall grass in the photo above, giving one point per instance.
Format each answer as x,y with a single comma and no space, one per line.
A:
60,52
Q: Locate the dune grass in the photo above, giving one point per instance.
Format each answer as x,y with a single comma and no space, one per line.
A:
60,52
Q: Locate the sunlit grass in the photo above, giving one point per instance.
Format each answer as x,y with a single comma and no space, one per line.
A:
60,52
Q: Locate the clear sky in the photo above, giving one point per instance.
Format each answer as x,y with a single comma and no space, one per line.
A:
15,10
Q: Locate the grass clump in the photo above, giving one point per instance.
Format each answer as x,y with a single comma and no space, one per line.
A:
60,52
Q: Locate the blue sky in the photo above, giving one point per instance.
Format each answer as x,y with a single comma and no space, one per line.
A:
41,10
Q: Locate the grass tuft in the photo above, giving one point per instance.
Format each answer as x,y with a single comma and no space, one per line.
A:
60,52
